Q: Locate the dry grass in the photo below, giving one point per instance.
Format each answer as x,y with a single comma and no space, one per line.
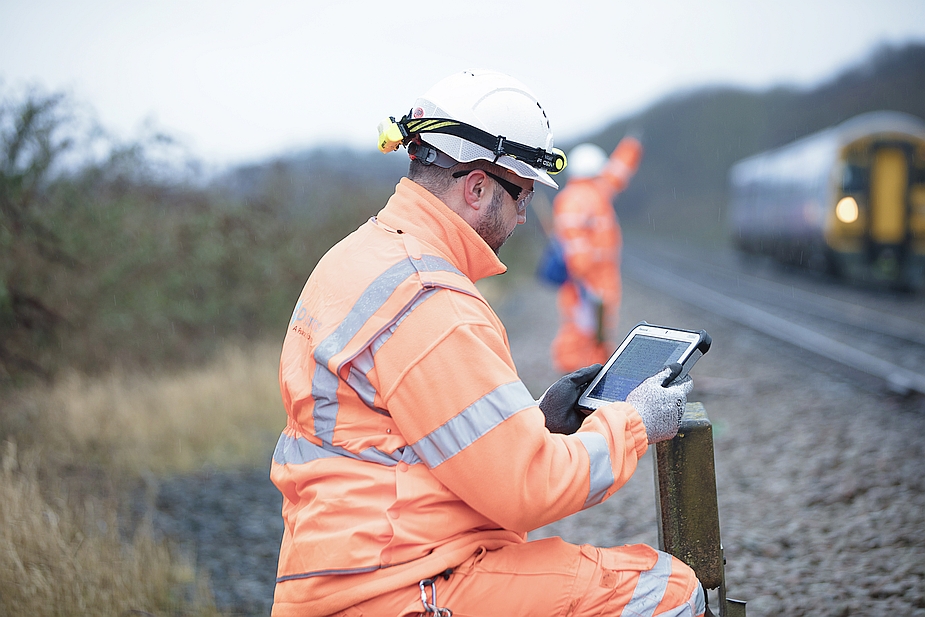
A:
66,561
226,413
61,550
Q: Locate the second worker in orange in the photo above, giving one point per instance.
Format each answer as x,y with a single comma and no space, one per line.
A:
586,226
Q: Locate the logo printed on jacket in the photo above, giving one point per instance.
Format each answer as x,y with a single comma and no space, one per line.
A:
302,323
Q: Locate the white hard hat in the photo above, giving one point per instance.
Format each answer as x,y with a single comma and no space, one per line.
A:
496,118
586,161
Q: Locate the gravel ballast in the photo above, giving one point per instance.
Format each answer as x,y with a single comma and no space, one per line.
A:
819,477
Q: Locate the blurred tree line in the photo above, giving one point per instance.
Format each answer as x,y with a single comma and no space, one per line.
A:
118,254
111,255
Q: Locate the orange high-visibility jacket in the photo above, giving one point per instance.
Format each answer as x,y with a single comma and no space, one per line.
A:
587,227
586,224
411,441
589,301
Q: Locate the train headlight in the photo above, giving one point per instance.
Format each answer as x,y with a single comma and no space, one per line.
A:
846,210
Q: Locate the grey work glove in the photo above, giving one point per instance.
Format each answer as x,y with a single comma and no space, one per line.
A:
560,401
660,406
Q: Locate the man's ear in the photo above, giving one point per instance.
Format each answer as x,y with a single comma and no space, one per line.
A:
476,190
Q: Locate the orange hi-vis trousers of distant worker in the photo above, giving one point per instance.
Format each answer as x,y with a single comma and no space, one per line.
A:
584,325
586,225
552,577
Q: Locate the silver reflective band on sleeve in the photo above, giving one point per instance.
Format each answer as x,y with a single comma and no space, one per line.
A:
298,451
600,467
471,423
650,588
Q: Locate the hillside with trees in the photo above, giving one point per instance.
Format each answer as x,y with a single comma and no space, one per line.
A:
692,139
113,262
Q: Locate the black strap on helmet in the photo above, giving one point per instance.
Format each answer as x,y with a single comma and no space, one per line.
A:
552,162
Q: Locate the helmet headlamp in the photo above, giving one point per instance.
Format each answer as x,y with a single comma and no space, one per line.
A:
391,135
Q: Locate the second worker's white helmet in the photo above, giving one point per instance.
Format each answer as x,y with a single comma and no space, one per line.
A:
586,161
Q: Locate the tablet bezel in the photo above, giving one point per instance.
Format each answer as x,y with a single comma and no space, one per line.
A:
698,344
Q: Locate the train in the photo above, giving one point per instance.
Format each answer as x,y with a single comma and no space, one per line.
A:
848,200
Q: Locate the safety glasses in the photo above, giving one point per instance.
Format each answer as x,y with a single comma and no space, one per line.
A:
518,193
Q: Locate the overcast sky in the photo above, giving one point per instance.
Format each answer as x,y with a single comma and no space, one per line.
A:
237,80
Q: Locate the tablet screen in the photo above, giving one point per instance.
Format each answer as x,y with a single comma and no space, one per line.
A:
643,357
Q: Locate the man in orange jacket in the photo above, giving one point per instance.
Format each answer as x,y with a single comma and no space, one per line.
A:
414,460
586,226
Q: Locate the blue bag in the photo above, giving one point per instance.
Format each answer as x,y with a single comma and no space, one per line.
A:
551,268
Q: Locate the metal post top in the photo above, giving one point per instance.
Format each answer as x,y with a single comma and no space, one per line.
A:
695,416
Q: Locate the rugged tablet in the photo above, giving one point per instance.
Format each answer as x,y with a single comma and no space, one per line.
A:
645,351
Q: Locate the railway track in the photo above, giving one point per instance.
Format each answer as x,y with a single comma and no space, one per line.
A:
877,335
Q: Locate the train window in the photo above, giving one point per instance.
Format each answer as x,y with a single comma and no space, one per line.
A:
854,179
917,175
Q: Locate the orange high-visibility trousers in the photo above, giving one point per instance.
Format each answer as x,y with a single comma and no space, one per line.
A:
552,577
577,343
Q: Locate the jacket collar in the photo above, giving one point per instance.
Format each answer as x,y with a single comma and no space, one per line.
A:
416,211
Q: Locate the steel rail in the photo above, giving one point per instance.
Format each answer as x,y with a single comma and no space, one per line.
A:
899,379
831,309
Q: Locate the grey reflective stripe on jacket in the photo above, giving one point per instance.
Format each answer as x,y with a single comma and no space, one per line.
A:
474,421
298,451
325,382
445,441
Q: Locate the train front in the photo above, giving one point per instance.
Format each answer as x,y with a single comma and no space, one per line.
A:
850,199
